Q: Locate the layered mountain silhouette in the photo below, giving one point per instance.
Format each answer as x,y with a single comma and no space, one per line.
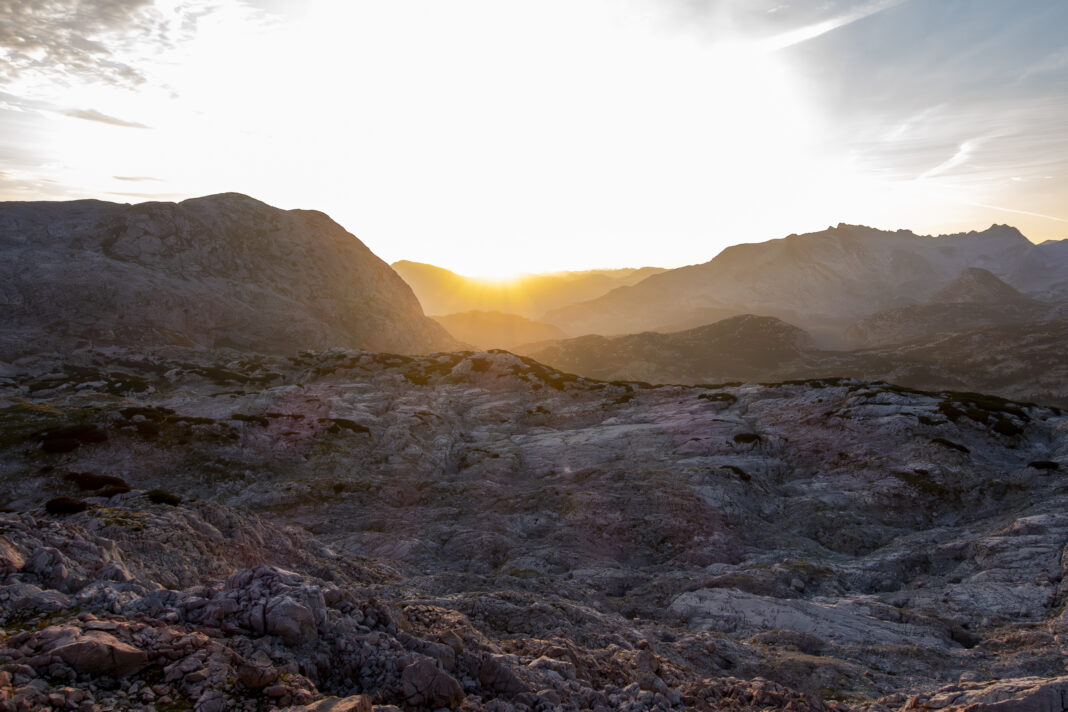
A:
223,270
441,291
822,282
1023,360
497,330
975,299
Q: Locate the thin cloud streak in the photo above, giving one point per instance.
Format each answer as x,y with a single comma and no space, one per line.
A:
94,115
811,32
964,152
1018,212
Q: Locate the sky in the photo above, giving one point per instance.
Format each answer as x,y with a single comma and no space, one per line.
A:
498,137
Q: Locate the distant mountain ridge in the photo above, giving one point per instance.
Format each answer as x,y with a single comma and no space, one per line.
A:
1022,360
441,291
222,270
975,299
821,281
496,330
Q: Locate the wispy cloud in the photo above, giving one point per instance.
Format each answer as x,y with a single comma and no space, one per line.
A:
1018,212
812,31
136,179
150,196
963,153
94,115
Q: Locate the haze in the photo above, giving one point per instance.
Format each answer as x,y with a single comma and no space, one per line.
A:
495,138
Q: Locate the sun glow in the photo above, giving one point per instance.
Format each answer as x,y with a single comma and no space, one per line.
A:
496,139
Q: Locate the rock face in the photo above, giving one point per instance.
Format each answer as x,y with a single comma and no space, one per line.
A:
225,270
821,282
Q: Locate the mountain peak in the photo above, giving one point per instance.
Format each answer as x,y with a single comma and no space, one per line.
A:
976,285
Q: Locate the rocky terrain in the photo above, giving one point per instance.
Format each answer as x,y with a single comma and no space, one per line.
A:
441,291
224,270
343,529
822,282
1022,360
497,330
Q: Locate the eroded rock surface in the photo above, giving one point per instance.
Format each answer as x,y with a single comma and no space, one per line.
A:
476,530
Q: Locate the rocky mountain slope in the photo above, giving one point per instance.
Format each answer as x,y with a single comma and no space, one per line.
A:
477,531
742,348
443,292
822,282
1022,359
214,271
977,298
497,330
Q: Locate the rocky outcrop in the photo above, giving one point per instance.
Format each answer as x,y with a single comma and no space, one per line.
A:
224,270
480,531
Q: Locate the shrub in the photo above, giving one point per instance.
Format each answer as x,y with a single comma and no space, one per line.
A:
746,438
162,496
89,481
65,505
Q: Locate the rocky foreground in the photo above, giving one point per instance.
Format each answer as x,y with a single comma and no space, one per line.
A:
342,530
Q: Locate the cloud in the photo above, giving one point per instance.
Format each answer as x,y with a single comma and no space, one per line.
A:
812,31
72,41
94,115
1018,212
150,196
136,179
963,153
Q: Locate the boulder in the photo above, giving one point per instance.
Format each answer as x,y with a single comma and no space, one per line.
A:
290,621
356,703
425,685
99,653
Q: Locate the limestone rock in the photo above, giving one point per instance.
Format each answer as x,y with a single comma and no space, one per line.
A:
425,685
98,653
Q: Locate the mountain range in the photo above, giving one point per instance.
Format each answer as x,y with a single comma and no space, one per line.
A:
822,282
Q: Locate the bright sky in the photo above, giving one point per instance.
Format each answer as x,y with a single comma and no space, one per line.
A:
494,137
